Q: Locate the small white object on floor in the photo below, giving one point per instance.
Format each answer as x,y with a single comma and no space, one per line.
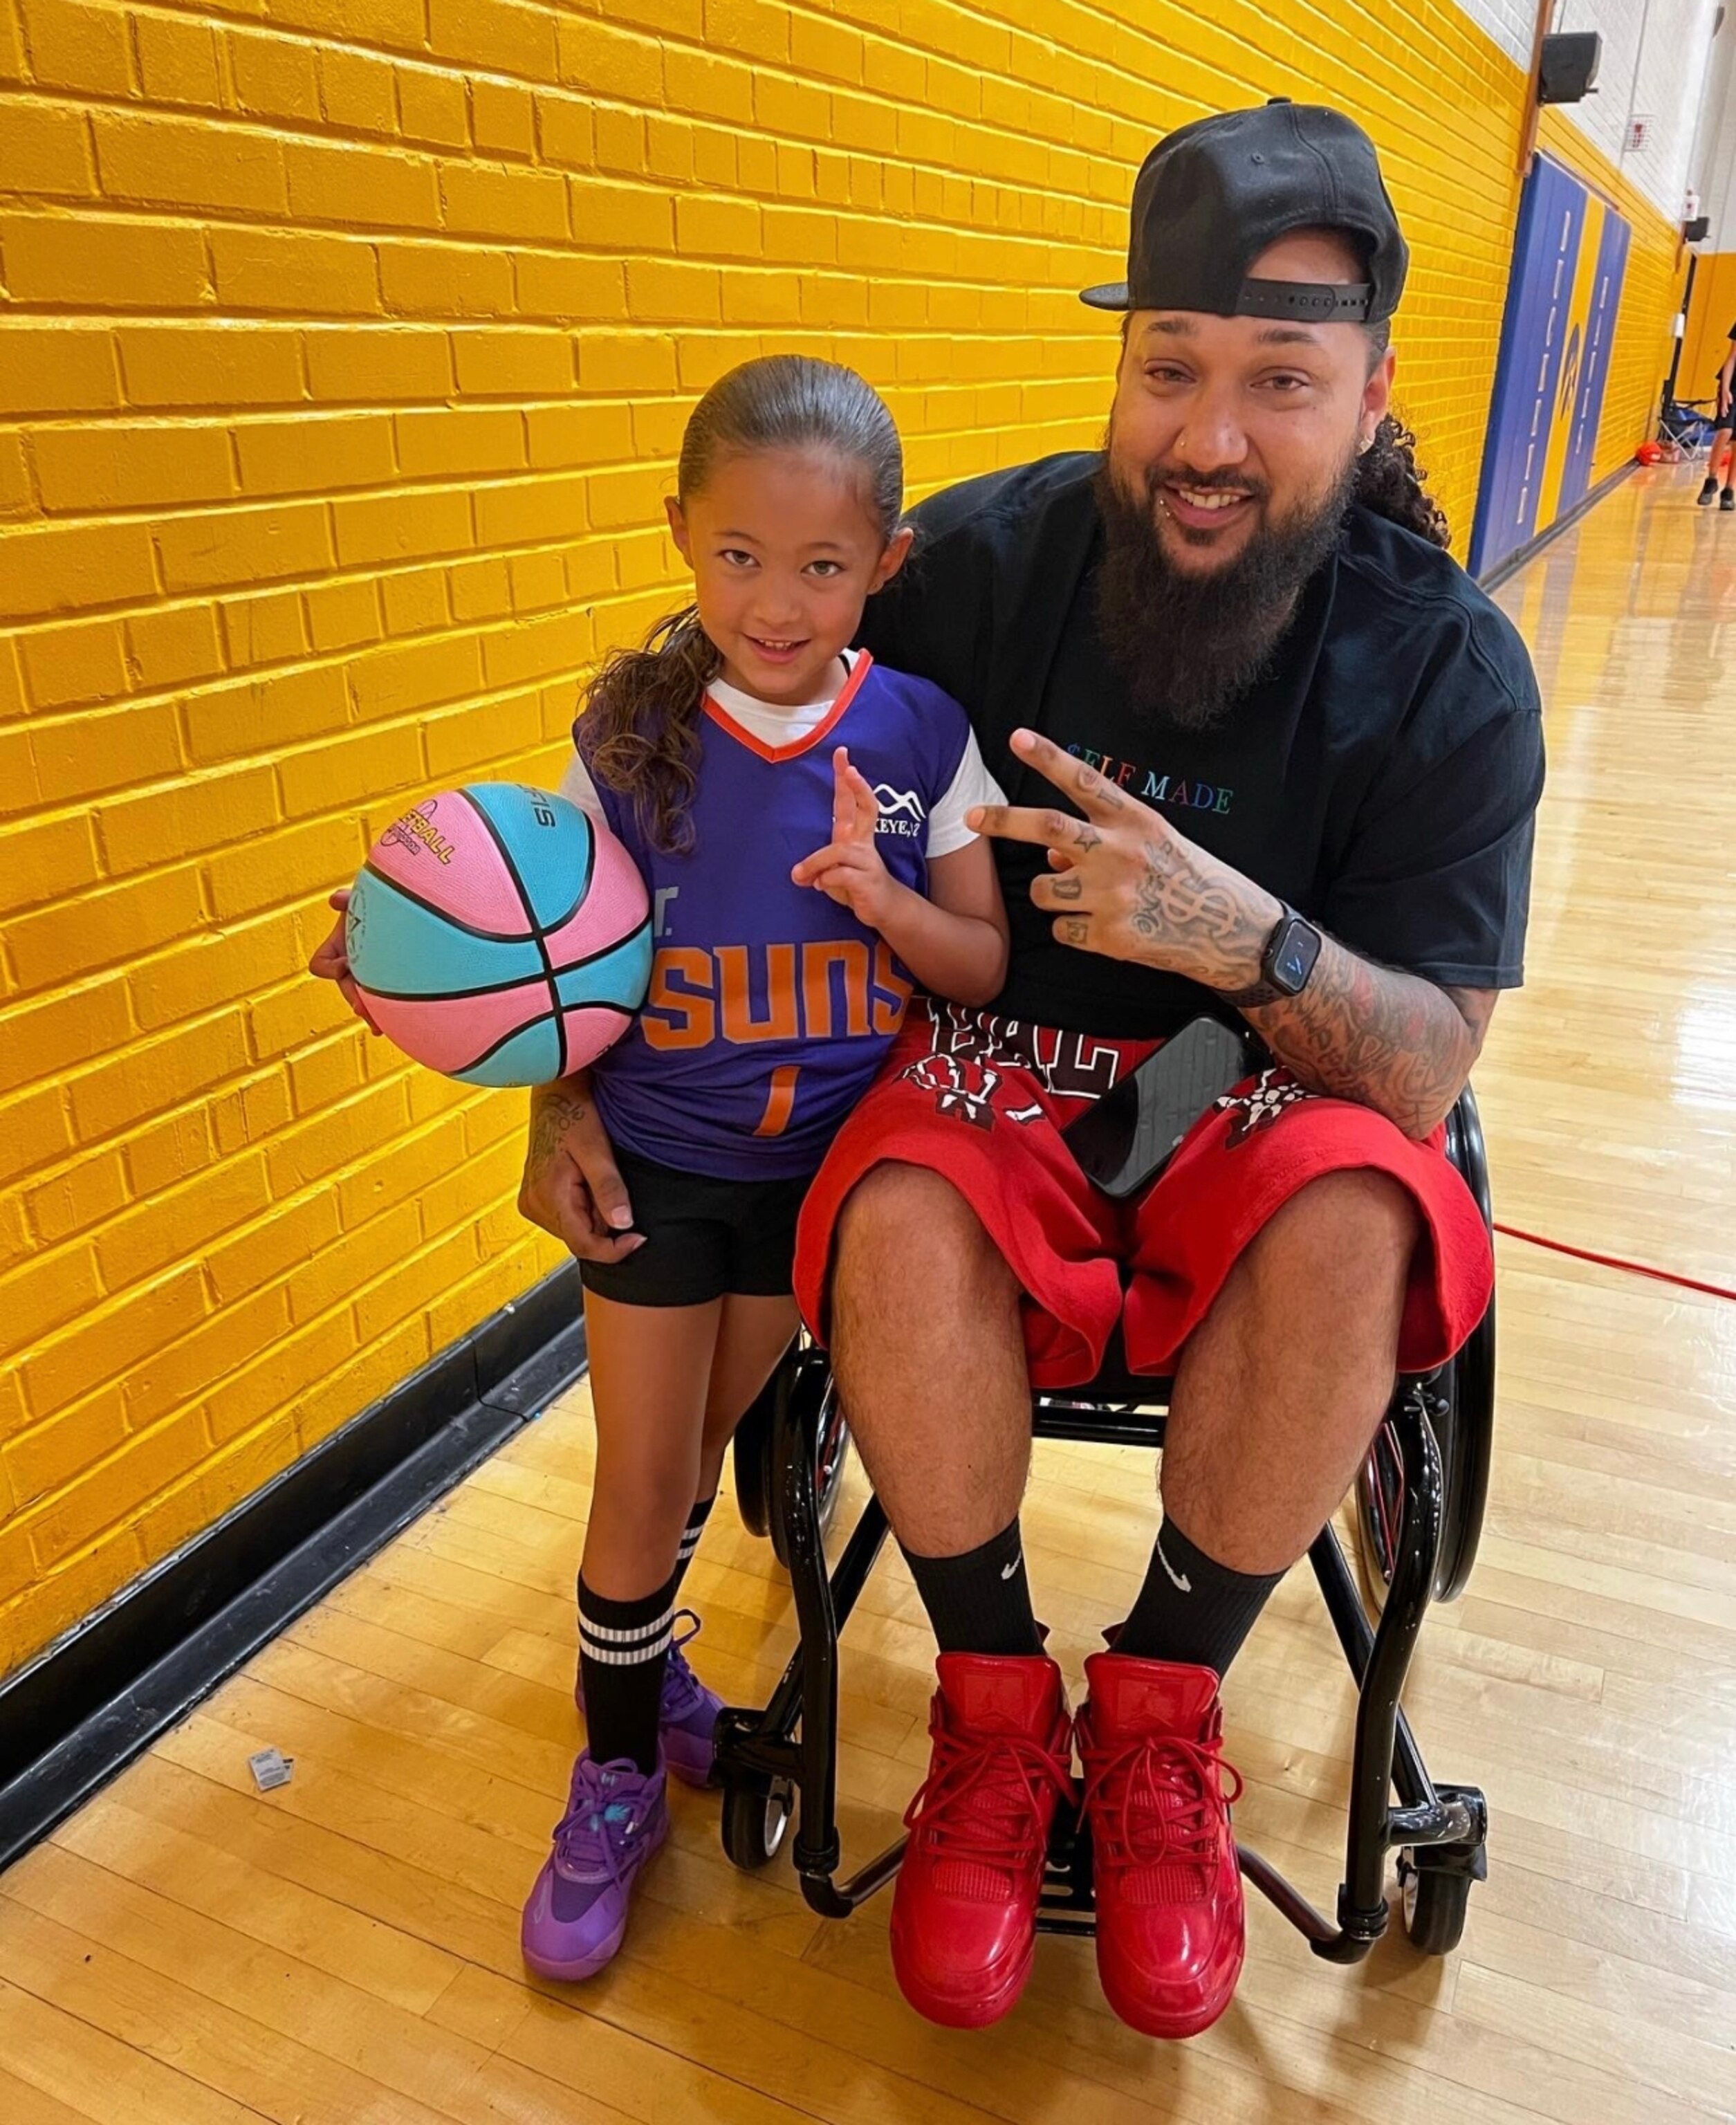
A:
270,1768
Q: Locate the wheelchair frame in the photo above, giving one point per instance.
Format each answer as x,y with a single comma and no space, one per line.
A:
1420,1506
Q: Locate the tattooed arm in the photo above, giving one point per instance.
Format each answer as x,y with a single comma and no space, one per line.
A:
1128,885
1397,1043
572,1187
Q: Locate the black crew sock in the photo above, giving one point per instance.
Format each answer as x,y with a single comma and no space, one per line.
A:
980,1602
624,1649
690,1535
1191,1608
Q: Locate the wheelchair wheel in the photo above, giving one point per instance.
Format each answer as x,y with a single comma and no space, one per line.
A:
831,1456
752,1450
1459,1403
1466,1434
1435,1901
830,1463
1472,1431
750,1455
754,1823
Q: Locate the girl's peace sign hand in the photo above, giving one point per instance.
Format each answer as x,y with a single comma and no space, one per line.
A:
848,869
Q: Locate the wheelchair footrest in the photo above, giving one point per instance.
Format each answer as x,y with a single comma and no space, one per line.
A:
1284,1896
1076,1926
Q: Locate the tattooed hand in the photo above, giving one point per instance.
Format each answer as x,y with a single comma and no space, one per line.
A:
1128,885
572,1187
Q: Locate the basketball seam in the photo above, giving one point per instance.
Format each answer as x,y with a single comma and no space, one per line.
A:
497,988
454,921
530,1026
530,914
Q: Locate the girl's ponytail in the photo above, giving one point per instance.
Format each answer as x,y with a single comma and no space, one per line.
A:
639,732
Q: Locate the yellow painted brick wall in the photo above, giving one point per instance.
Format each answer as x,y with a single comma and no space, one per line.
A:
1710,316
344,348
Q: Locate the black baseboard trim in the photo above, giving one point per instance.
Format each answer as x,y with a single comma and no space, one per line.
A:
1509,563
80,1711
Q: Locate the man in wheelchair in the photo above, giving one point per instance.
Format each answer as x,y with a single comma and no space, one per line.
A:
1274,758
1227,672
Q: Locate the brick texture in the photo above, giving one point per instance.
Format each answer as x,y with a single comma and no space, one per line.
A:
344,349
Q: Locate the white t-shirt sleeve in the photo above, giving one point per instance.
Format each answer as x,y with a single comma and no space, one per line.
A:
971,785
577,788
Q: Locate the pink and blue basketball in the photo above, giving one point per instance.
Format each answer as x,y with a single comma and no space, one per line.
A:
500,935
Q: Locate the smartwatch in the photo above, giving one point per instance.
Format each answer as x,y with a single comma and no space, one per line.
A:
1285,964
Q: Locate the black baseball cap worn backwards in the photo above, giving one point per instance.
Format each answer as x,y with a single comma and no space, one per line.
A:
1213,195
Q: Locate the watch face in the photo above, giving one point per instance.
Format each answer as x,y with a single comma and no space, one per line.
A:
1293,961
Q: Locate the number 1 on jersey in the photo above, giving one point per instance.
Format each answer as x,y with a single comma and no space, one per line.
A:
780,1101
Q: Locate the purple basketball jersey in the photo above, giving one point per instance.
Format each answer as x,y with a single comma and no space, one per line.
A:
770,1006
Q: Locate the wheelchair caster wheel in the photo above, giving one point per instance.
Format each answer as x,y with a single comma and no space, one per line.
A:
754,1824
1436,1898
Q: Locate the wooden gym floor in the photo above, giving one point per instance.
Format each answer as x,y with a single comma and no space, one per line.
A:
186,1952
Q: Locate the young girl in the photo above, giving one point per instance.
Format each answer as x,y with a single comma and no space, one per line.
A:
798,813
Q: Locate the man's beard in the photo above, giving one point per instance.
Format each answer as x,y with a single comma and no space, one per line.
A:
1188,644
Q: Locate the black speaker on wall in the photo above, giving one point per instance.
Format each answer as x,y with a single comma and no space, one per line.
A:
1695,231
1568,71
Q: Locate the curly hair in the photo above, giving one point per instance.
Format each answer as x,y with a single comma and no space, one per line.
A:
1389,481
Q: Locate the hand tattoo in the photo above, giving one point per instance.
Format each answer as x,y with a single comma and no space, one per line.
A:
1090,784
1201,925
1078,931
552,1113
1068,886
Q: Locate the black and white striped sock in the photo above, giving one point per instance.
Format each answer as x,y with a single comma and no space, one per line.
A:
624,1649
690,1535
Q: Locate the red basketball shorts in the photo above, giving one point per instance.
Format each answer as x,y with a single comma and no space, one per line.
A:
983,1102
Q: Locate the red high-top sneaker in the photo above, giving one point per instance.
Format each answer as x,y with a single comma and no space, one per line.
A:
1157,1795
964,1912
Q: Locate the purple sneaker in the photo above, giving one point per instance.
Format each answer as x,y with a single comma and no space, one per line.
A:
575,1918
687,1718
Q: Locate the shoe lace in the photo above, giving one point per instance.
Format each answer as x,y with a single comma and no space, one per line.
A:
593,1839
682,1688
1156,1799
982,1798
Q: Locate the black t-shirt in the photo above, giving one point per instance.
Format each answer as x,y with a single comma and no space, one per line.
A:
1383,778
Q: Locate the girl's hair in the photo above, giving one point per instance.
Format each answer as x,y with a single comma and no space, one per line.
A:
639,731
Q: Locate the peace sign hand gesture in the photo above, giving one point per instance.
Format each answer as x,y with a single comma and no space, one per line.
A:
1128,885
848,869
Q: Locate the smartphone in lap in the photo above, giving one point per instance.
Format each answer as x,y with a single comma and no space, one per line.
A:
1125,1141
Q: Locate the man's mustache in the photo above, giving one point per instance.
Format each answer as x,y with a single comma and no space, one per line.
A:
1158,477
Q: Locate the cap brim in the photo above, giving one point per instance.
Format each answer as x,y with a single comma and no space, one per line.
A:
1111,295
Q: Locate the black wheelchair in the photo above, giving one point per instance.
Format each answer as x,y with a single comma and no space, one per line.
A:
1419,1512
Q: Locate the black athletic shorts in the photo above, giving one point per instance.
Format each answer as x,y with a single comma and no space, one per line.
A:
704,1238
1724,422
